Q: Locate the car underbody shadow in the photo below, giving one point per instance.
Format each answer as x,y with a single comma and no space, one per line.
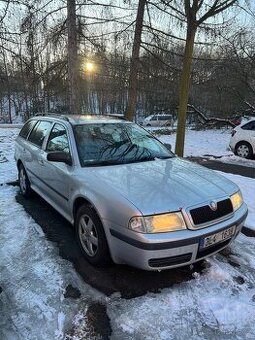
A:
128,281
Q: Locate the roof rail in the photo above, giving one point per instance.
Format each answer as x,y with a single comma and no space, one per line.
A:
57,115
119,116
64,116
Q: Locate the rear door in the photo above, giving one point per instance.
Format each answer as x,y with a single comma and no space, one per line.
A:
154,120
164,120
34,152
21,143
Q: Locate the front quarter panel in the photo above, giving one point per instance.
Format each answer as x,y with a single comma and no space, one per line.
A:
108,203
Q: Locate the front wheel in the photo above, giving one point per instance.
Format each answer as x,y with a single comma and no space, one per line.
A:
91,237
243,150
24,183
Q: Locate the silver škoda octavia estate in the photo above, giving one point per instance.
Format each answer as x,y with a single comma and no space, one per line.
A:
129,198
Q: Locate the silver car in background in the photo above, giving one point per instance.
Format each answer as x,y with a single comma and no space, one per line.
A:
129,198
158,120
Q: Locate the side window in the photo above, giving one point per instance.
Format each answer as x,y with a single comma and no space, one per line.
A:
58,140
249,126
164,118
153,118
39,132
24,132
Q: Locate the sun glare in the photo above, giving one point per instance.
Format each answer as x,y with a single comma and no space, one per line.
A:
89,67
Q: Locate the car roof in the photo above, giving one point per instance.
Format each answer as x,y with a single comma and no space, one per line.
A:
83,118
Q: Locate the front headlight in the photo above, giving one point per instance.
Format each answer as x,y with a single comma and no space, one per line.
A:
158,223
237,200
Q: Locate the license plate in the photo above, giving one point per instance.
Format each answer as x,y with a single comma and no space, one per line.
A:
218,237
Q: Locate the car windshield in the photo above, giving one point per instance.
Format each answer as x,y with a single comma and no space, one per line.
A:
108,144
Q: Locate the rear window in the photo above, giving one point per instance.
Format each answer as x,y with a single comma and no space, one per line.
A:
39,132
27,128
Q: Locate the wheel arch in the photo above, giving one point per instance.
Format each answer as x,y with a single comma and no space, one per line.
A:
244,142
79,201
247,143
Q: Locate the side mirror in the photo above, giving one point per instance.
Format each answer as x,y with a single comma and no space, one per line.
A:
59,156
168,146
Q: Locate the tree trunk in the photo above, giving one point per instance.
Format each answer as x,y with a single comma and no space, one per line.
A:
74,102
184,89
132,90
8,87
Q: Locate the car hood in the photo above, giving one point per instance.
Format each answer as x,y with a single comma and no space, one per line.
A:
162,185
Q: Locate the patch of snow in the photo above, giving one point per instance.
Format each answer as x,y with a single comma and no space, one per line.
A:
210,144
247,186
200,143
8,171
33,278
212,306
233,159
19,125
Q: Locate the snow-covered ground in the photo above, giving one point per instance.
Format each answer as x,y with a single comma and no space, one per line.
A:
200,143
209,143
218,303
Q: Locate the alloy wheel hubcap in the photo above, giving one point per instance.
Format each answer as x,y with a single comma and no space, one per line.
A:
243,151
88,235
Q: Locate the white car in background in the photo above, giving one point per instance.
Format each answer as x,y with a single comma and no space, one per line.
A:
158,120
242,141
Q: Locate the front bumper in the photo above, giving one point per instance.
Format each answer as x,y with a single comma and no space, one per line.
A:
168,250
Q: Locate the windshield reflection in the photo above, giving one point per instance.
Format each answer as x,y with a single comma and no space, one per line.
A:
121,143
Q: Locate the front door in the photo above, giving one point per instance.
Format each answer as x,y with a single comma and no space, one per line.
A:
56,175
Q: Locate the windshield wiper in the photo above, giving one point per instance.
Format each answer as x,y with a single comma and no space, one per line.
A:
124,161
163,157
102,163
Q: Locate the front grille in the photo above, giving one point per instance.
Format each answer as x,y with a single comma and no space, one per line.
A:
170,261
205,214
212,249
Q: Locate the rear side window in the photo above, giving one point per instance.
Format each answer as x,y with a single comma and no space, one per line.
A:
24,132
164,117
249,126
39,132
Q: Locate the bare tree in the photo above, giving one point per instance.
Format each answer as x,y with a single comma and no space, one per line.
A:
74,102
196,13
132,90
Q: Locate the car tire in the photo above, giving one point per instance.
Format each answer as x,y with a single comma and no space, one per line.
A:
24,183
148,125
243,149
91,236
